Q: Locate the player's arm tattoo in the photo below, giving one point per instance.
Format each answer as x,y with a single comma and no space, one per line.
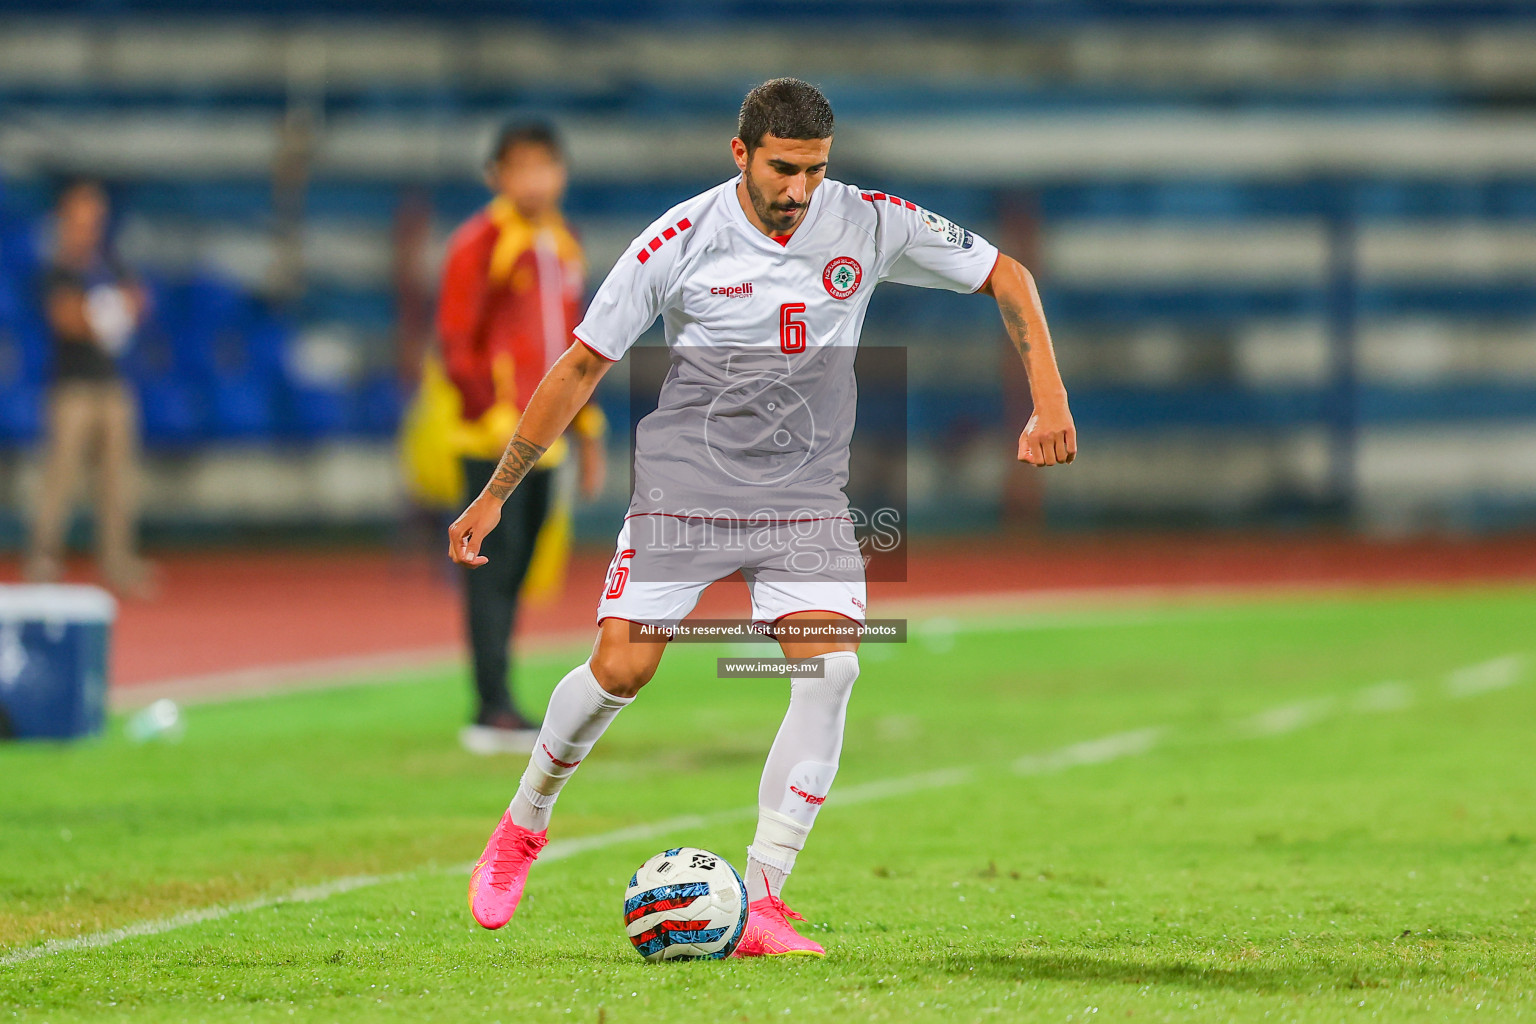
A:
1017,325
519,457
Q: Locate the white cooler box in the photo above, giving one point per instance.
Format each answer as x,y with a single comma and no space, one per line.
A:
53,660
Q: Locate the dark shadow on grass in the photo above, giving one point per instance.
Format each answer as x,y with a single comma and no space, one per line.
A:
1044,966
1035,966
1057,966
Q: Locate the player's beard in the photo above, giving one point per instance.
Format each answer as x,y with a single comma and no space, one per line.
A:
777,221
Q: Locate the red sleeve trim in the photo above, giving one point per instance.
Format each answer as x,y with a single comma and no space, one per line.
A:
995,262
588,345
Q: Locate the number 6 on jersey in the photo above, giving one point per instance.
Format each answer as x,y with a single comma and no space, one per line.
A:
791,331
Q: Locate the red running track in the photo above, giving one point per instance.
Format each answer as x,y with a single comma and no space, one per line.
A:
230,612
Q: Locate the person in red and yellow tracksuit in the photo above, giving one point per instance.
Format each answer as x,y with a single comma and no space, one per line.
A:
511,294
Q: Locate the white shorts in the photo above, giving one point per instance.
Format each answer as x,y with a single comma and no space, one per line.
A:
663,563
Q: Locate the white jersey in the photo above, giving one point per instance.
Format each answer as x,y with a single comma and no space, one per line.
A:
756,414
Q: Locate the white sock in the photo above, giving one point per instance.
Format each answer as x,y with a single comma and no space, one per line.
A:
799,772
579,710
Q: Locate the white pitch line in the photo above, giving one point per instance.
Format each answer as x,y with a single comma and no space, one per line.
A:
882,789
1482,678
1107,748
303,894
289,677
1287,718
1464,682
1037,616
1389,696
564,848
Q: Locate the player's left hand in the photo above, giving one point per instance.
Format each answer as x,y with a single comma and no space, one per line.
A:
1049,439
468,531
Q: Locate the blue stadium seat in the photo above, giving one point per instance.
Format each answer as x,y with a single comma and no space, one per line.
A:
153,353
266,337
1514,299
898,307
1227,408
1513,199
365,309
209,359
241,201
946,414
209,336
18,249
242,407
1197,199
24,352
315,413
23,343
21,412
1448,404
1192,304
174,412
376,201
10,297
380,401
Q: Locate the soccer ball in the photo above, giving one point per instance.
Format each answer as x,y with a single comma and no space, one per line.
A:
685,904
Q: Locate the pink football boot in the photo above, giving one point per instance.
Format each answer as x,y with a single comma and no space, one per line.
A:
769,933
497,882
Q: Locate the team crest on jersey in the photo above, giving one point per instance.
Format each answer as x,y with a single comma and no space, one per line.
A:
953,233
842,276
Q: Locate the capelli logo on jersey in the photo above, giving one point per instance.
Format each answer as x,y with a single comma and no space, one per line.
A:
734,291
810,798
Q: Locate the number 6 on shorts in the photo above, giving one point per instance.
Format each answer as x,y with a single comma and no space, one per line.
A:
618,573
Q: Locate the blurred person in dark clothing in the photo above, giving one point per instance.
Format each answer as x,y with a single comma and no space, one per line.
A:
511,295
92,307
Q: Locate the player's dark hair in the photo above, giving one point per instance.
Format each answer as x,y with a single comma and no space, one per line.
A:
526,133
785,108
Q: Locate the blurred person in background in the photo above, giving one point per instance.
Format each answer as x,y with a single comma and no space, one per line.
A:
92,306
511,295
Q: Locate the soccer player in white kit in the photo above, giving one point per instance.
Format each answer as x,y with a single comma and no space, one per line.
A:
762,284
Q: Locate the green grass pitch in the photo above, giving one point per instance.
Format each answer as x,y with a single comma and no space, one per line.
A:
1308,808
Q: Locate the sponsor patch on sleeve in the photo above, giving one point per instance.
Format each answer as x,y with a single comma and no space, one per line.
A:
953,233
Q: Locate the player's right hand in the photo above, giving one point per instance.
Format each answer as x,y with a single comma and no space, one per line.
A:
1049,438
468,531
